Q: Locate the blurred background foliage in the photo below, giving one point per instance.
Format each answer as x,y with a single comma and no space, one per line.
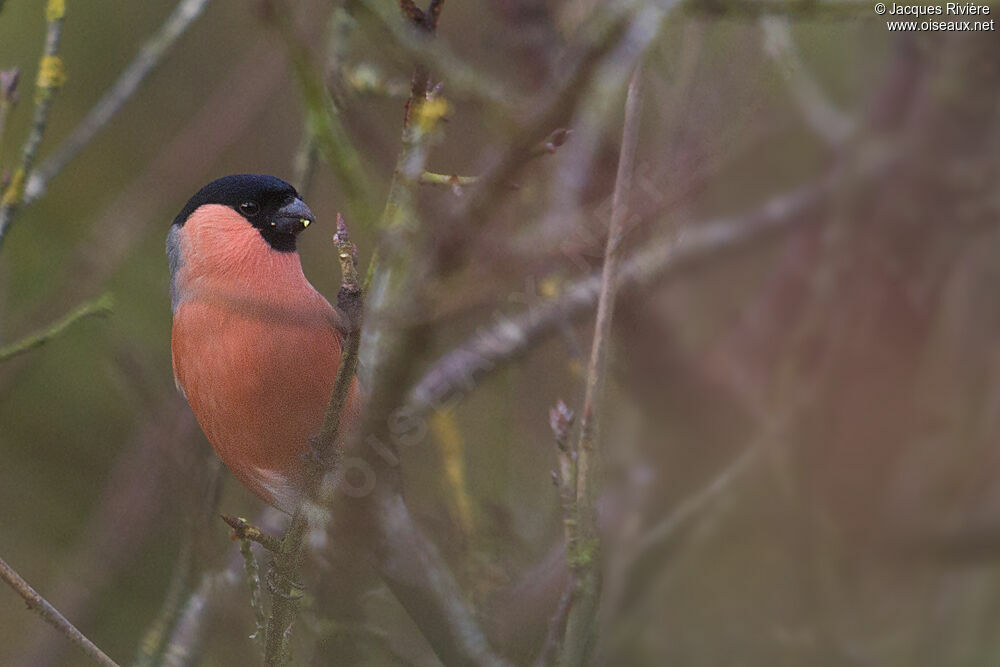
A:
841,374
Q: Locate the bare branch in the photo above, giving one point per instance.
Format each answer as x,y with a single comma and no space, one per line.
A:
412,12
100,306
288,558
437,57
150,54
51,615
584,549
8,99
409,563
561,421
244,530
457,372
826,120
324,130
51,75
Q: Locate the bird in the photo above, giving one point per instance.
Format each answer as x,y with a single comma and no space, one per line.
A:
255,347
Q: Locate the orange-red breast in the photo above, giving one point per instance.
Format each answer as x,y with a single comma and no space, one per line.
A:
255,347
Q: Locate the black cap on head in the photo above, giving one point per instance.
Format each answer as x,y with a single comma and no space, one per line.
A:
268,203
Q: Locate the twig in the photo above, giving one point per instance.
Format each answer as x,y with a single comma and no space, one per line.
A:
51,75
244,530
658,542
450,180
412,12
8,98
323,126
51,615
436,56
409,564
304,163
826,120
247,533
184,645
412,568
150,55
100,306
550,649
185,640
288,558
584,551
547,146
457,372
253,583
612,26
155,636
202,508
561,421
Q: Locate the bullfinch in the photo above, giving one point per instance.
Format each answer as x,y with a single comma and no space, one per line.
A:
255,347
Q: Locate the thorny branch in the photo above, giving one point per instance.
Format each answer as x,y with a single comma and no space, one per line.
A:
51,615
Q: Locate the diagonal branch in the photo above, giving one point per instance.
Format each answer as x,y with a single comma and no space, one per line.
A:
821,115
51,615
100,306
150,54
457,372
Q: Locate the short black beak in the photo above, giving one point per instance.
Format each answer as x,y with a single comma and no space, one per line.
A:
293,217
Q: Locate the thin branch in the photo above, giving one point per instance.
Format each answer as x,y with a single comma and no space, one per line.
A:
659,541
246,534
412,12
410,565
323,126
51,75
185,643
244,530
186,638
433,13
448,180
584,550
561,421
288,558
51,615
155,636
825,119
547,146
611,25
202,508
252,571
100,306
150,55
8,99
436,56
457,372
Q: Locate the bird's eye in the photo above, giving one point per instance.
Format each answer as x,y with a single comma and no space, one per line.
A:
250,208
